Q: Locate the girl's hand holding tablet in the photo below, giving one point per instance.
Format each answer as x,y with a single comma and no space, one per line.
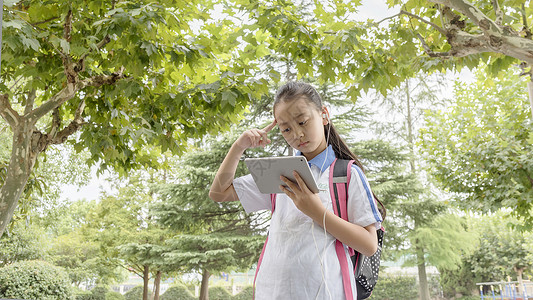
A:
306,201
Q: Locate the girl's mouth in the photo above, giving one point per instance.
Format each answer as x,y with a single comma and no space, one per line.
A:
303,144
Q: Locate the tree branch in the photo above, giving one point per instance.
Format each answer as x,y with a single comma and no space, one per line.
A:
70,68
524,21
100,45
100,80
498,11
67,27
74,125
388,18
70,90
61,97
30,101
56,122
430,52
439,29
7,112
45,21
472,12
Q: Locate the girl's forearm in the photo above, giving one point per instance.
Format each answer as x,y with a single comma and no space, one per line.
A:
361,239
222,188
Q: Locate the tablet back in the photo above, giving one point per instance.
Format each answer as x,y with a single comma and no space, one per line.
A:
266,172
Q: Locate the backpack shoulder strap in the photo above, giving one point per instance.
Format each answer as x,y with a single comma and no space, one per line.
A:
339,177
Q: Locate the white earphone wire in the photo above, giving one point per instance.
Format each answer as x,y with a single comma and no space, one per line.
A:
323,266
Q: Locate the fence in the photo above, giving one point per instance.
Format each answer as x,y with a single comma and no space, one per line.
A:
506,290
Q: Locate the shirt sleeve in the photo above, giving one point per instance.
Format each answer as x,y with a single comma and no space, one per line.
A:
249,195
362,209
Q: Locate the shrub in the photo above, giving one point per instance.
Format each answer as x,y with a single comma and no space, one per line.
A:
135,293
34,280
99,292
245,294
395,288
83,295
178,292
112,295
219,293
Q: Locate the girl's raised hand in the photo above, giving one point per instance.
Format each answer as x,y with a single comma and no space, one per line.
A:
255,137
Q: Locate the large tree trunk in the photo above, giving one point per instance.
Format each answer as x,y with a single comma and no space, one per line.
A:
157,284
29,142
521,287
146,281
204,288
422,276
24,153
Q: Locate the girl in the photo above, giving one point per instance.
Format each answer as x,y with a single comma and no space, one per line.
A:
299,260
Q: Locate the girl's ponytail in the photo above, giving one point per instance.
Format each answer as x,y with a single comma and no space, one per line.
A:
342,151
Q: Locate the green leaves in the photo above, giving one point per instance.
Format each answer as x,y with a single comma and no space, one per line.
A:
479,148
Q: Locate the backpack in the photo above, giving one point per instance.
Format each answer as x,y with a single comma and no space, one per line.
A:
366,269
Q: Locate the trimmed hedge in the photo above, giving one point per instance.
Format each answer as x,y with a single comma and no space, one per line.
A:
395,288
34,280
245,294
178,292
99,292
219,293
135,293
112,295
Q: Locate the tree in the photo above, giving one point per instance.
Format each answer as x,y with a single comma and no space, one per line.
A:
479,147
113,77
211,237
126,234
463,33
499,251
23,243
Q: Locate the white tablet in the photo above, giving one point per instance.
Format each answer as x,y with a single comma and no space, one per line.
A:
266,172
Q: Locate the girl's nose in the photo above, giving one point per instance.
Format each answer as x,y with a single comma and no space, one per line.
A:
298,133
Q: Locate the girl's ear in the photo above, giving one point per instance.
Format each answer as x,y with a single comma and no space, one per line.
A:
325,116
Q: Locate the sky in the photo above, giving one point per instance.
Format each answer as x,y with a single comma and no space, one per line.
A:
374,9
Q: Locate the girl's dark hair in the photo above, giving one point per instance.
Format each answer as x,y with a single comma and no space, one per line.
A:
295,90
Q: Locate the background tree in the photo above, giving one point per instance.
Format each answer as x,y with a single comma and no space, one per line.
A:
210,237
500,250
126,234
24,242
479,147
421,220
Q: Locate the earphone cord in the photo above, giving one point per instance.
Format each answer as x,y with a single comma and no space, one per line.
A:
322,265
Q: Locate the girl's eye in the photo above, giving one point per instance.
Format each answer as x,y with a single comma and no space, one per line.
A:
285,130
303,122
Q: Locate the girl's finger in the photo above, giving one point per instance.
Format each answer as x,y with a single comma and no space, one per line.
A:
293,186
300,181
286,191
270,126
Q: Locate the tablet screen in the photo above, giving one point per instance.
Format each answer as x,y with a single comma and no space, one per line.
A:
266,172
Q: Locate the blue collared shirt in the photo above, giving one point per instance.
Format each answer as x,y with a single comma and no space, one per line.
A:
322,160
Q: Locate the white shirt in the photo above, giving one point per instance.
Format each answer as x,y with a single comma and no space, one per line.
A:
291,266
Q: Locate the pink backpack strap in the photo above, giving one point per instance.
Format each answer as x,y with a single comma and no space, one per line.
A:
273,202
338,187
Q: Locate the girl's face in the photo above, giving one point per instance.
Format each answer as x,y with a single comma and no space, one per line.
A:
302,126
